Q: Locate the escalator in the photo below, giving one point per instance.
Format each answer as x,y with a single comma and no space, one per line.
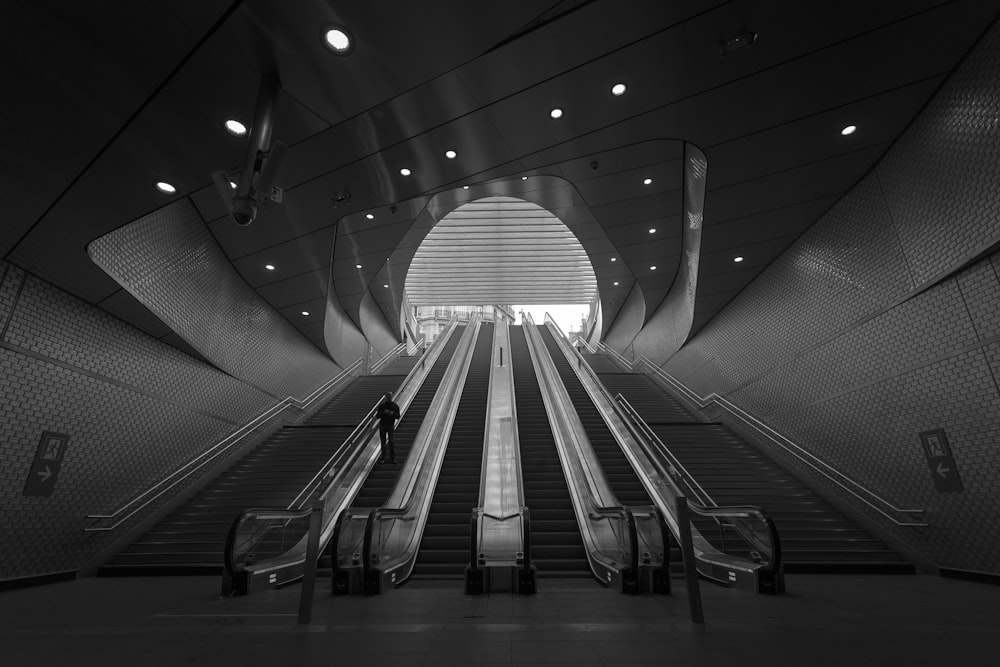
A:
382,478
191,539
624,482
444,549
815,537
556,546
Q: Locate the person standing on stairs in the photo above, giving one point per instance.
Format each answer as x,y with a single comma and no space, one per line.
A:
387,414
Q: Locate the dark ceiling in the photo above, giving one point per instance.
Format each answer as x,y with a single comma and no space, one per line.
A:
104,99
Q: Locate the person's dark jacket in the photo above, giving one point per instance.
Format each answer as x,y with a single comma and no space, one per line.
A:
387,413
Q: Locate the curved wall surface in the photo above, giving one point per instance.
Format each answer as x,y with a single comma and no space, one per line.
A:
882,322
169,261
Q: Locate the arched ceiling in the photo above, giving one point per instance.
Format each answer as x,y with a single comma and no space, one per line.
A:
500,250
102,99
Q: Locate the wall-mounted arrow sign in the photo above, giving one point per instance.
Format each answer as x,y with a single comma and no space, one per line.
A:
45,468
937,451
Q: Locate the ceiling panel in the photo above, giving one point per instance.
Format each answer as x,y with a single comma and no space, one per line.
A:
296,289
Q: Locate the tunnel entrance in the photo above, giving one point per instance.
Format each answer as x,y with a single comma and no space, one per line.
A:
497,256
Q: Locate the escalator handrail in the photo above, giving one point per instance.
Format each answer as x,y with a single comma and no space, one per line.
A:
696,490
403,507
365,430
638,434
593,496
343,459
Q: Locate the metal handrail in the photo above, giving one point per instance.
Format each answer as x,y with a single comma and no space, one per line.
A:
614,353
585,480
701,495
341,463
422,343
804,455
673,478
393,353
216,450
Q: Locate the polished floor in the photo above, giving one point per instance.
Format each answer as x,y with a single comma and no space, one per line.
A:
822,620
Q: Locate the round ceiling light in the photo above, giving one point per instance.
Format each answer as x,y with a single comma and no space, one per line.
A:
269,267
737,259
305,312
556,113
850,129
647,181
405,172
235,127
614,259
370,216
616,283
652,268
386,285
166,188
451,155
465,187
357,266
338,39
652,230
618,89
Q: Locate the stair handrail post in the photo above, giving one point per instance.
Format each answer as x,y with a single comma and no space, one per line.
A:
312,556
690,567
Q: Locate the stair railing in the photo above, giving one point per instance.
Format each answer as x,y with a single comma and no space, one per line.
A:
417,345
124,512
873,500
391,355
333,486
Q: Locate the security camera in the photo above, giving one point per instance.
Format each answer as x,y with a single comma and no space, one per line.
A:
244,210
594,165
392,209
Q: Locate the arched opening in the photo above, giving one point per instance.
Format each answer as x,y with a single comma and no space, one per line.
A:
497,256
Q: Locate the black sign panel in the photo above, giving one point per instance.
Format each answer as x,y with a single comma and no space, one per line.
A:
48,461
944,472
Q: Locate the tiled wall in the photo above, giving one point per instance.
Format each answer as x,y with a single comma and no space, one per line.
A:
135,409
170,262
874,326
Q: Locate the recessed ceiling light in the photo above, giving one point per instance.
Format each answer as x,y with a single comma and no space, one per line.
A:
305,312
370,216
385,285
652,230
166,188
618,89
451,155
357,266
849,130
614,259
647,181
524,178
616,283
737,259
338,40
652,268
235,127
465,187
269,267
405,172
233,185
556,113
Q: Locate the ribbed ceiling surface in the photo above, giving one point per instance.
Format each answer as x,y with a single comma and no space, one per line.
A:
500,250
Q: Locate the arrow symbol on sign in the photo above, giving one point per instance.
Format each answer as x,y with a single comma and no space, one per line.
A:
45,474
942,470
